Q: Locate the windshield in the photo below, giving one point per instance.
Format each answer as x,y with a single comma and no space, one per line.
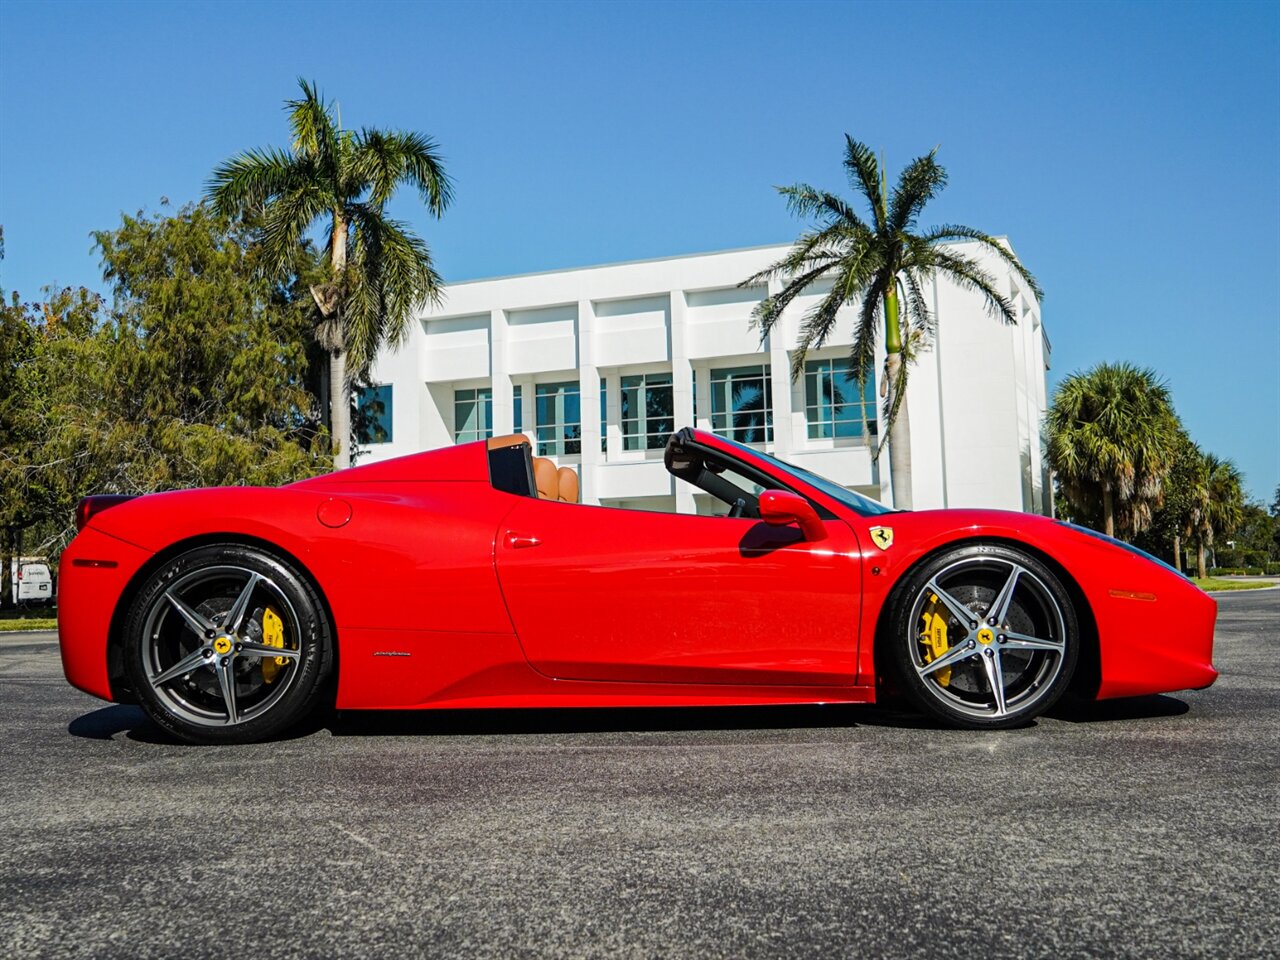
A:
854,501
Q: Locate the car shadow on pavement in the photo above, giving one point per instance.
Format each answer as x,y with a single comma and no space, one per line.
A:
108,722
1126,708
537,720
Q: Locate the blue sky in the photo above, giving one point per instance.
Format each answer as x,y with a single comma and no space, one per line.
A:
1128,150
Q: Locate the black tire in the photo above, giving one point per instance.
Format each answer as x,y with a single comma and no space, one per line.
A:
1028,649
182,653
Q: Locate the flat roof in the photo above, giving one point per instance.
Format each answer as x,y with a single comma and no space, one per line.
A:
629,263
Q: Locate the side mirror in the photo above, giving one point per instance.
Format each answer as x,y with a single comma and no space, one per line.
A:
781,507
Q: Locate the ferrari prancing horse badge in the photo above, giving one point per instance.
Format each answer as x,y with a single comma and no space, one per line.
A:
882,537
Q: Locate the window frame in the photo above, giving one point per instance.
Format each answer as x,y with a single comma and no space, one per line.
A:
384,421
729,431
645,438
483,400
865,408
558,447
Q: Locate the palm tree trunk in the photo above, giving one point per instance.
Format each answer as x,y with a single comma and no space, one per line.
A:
899,440
900,428
1177,552
339,398
1108,511
339,409
1200,570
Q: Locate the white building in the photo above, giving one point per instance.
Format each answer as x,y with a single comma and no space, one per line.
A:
599,364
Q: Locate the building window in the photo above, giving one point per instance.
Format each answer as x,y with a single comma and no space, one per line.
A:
604,417
742,404
648,416
517,399
833,405
373,414
472,414
558,419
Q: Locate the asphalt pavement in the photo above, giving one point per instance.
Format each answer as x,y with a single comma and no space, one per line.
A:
1146,828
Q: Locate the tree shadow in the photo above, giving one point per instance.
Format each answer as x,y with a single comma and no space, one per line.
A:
1074,710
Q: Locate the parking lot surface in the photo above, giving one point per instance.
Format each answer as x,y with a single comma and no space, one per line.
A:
1146,828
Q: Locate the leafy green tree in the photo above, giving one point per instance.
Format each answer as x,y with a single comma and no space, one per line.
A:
378,270
1183,502
1223,506
196,377
1252,543
1113,437
881,265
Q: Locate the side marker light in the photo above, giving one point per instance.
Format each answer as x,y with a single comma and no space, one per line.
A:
1132,595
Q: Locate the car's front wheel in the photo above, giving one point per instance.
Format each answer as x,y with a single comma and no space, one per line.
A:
227,643
983,636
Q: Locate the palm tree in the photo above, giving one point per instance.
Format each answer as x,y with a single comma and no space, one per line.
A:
1186,489
378,270
1223,499
1113,437
882,265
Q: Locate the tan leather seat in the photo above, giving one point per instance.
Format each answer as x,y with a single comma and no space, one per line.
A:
568,484
555,484
546,479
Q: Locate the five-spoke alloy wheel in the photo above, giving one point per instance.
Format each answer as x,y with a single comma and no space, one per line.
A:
227,644
983,636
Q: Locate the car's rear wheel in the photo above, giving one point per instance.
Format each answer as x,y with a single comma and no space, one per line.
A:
227,643
983,636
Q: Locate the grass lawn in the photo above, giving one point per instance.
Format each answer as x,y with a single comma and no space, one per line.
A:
41,618
1210,584
12,625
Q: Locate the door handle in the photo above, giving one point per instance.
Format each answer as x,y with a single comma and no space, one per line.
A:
518,542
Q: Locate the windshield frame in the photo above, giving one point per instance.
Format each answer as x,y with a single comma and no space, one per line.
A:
857,502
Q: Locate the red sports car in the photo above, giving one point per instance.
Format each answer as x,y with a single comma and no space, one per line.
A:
472,577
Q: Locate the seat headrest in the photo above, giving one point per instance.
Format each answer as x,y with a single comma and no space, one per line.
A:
568,484
510,440
546,479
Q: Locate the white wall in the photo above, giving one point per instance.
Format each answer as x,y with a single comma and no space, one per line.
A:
976,396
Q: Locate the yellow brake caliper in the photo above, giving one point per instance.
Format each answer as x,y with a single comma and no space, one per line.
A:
933,636
272,636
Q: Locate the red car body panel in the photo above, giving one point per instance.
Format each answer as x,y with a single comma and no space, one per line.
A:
447,592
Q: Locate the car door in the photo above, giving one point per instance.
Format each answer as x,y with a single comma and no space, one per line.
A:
598,593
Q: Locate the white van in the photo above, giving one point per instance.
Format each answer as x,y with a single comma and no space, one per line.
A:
32,582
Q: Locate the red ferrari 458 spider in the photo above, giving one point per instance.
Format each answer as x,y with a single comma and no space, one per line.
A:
472,577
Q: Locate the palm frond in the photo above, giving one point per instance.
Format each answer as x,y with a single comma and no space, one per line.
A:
818,324
862,355
311,119
806,201
769,310
916,308
968,274
920,182
391,275
286,220
247,182
864,175
812,249
388,158
955,231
